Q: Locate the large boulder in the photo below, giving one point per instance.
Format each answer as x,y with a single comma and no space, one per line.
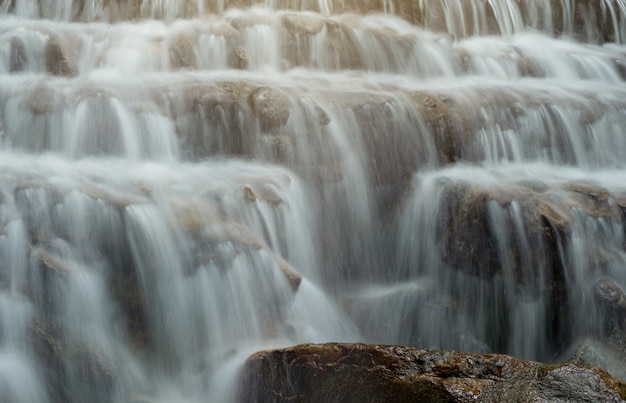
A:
375,373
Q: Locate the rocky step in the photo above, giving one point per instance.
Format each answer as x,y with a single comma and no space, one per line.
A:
525,241
593,20
380,373
261,40
128,219
316,123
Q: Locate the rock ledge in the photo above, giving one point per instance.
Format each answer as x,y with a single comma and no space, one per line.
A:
380,373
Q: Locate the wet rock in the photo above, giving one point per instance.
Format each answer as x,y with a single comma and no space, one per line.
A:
57,264
594,200
609,294
303,24
262,192
42,99
270,106
63,359
375,373
608,354
17,59
59,61
447,127
470,241
293,278
224,29
238,59
126,290
182,52
341,49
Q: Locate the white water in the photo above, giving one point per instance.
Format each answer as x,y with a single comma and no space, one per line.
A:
163,178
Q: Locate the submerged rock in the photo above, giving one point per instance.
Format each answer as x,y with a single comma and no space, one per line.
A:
379,373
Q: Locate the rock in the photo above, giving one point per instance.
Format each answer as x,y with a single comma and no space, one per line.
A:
303,24
270,106
263,192
608,354
374,373
41,99
609,294
58,60
65,360
126,290
238,59
182,52
293,278
470,234
17,59
341,49
58,265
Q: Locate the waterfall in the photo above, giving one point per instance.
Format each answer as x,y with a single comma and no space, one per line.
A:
183,183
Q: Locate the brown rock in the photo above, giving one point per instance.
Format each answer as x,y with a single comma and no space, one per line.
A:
238,59
270,106
41,99
373,373
182,52
292,276
341,49
58,59
303,24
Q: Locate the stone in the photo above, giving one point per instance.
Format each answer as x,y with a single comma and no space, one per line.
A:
58,59
341,49
293,278
62,358
182,52
303,24
42,99
17,60
238,59
336,372
262,192
270,106
607,353
609,294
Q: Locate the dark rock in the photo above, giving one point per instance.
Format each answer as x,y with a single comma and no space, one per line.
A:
374,373
469,232
609,294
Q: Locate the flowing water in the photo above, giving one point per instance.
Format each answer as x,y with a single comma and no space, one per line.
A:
185,182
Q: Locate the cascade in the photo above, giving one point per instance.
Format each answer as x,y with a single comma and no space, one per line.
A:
183,183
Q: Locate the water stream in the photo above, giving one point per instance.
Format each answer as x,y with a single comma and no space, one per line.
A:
183,183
